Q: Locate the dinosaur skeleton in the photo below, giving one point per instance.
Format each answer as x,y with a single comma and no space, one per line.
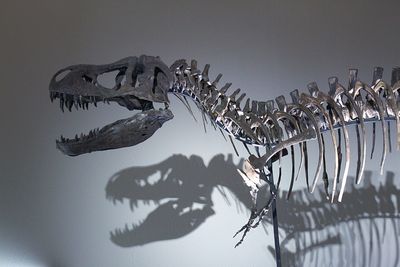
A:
141,81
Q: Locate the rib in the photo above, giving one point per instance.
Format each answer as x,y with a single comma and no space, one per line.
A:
259,123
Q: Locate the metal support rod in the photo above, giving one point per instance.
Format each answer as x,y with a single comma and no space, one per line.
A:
275,217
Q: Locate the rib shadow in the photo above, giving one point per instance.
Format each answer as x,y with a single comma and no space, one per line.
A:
179,190
356,232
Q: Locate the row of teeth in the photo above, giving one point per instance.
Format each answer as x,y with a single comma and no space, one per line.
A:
126,229
82,136
135,203
78,101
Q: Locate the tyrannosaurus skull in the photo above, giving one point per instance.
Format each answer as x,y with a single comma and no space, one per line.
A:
138,83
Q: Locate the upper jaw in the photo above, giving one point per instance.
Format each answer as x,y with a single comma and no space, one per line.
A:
67,101
79,101
144,77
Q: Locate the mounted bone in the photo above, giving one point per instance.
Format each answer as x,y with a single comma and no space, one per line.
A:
141,81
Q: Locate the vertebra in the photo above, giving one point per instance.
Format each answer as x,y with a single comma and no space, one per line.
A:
261,124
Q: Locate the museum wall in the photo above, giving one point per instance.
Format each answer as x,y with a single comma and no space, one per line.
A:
59,211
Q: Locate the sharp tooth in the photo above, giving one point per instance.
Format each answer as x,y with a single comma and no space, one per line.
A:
76,101
69,104
76,137
62,104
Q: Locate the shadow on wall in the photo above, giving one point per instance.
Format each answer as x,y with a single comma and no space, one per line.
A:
180,190
363,230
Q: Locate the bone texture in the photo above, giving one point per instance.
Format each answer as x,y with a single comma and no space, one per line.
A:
269,126
305,119
277,125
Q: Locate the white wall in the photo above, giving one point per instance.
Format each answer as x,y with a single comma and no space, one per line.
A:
53,208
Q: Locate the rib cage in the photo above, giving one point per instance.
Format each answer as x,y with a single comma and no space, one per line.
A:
317,233
275,125
278,127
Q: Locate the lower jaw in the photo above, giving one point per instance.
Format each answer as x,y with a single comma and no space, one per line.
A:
133,130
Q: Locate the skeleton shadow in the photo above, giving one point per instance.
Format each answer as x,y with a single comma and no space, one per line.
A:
356,232
179,190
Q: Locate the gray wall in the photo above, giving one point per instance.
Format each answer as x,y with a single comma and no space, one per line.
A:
53,208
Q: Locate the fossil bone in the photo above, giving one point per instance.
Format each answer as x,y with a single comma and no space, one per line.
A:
141,81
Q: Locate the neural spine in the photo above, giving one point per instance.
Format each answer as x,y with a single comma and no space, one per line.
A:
276,125
261,123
